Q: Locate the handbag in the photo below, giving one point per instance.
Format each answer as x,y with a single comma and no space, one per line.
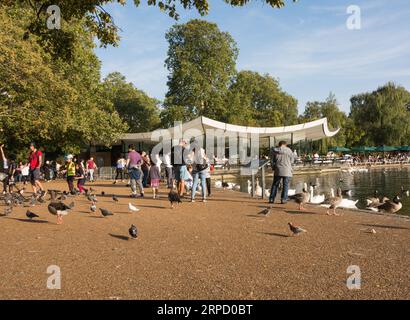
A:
201,166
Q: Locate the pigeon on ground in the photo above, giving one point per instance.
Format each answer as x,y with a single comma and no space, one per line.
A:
132,208
93,207
133,231
31,215
33,201
92,198
295,229
59,209
114,197
71,205
8,210
105,212
265,212
102,193
173,197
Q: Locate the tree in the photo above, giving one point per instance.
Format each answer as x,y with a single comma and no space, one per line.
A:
258,100
98,20
135,107
336,119
49,100
201,62
383,115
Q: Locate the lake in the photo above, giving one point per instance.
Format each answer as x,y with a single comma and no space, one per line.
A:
363,184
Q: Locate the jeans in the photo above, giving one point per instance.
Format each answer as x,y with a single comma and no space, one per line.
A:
135,177
275,186
170,176
145,172
199,175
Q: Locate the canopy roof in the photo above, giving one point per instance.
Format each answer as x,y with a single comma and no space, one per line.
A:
314,130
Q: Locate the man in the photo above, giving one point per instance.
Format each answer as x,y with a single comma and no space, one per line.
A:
35,159
179,165
282,158
168,169
133,164
91,166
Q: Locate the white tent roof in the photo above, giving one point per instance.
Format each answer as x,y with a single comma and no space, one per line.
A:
314,130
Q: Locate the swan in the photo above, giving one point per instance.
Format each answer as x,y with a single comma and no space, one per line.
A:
316,199
258,189
218,184
348,204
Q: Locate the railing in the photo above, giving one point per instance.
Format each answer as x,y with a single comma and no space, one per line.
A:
254,167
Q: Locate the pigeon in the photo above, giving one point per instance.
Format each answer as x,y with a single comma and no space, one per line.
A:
174,197
133,231
295,229
132,208
31,215
114,197
92,198
102,193
265,212
33,201
105,212
59,209
71,205
93,207
8,210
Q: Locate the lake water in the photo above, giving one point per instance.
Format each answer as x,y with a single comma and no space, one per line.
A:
363,184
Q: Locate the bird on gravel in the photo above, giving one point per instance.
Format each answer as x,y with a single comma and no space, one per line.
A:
265,211
92,198
333,202
301,198
133,231
59,209
295,229
8,210
114,197
102,193
105,212
173,197
31,215
71,205
93,207
132,208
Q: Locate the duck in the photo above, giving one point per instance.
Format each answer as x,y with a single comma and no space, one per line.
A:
301,198
373,200
374,205
316,199
59,209
390,206
405,191
333,201
348,204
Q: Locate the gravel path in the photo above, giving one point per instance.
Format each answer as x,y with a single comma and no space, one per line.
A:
218,250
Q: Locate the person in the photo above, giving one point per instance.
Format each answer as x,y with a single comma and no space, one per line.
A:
35,161
70,168
282,159
18,174
120,169
80,176
91,167
155,177
6,170
48,172
208,178
25,173
179,165
189,179
200,166
133,164
169,172
145,167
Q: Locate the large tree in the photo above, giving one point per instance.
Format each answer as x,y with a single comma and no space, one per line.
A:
383,115
140,111
49,100
201,61
255,99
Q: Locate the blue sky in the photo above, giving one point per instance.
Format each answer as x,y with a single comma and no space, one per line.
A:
306,45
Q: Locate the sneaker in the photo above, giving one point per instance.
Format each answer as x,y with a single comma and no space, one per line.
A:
142,195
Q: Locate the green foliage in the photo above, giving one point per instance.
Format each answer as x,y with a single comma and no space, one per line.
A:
47,99
383,115
257,100
201,62
139,110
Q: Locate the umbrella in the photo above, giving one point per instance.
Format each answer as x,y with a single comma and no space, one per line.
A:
339,149
363,149
385,149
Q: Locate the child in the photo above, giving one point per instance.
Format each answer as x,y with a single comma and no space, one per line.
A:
155,177
25,171
70,168
80,176
188,178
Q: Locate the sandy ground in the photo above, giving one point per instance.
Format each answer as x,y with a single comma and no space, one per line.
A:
218,250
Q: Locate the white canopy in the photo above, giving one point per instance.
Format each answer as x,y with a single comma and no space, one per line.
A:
314,130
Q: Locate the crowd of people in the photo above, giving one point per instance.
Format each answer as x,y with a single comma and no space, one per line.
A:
185,168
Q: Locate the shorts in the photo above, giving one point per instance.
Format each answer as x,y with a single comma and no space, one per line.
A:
34,174
183,173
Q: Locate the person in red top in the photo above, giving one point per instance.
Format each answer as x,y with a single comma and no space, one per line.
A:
35,159
91,166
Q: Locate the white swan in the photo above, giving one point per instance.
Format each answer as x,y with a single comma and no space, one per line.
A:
258,189
218,184
348,204
316,199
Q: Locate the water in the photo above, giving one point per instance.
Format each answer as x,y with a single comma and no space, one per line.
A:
363,184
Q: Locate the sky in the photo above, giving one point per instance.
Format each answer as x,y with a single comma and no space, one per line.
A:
306,45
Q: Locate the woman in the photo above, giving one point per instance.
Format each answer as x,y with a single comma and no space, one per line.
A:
200,167
146,164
